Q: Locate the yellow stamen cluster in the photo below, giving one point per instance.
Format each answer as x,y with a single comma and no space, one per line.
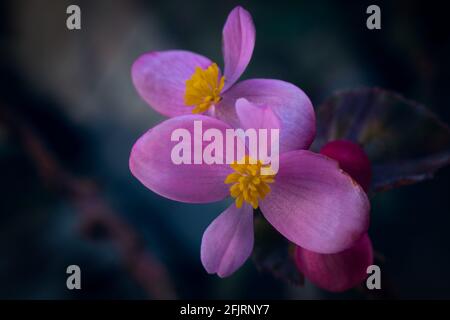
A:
249,184
203,88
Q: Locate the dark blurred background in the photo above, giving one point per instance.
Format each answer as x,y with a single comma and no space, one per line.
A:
69,115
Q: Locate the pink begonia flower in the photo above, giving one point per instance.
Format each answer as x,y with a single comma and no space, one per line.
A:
180,82
310,200
343,270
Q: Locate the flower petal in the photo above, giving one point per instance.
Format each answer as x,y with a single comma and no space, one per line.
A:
228,241
160,79
289,104
339,271
237,45
315,204
257,117
151,162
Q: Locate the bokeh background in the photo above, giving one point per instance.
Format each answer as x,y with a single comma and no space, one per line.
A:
69,116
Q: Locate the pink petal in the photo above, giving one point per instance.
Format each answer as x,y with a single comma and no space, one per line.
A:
257,117
339,271
289,104
151,163
237,45
228,241
252,116
315,204
160,79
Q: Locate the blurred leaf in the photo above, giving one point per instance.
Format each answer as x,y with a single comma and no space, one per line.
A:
405,141
273,253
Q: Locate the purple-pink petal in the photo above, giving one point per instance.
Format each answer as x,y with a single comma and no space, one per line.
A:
237,44
151,163
339,271
228,241
289,104
160,79
315,204
256,117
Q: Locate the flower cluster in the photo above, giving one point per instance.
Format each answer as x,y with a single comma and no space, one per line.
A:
311,201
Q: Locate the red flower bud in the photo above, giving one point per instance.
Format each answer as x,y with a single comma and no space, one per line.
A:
352,159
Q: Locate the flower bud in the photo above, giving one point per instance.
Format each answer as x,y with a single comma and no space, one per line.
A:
352,159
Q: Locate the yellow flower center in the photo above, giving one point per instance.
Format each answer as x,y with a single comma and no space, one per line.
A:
248,184
203,88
